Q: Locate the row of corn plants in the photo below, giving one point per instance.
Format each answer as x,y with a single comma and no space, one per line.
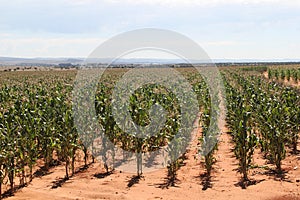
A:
36,122
141,102
289,74
267,113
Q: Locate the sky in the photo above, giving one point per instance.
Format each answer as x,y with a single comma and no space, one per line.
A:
225,29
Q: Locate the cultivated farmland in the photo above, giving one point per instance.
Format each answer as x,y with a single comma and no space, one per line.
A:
256,155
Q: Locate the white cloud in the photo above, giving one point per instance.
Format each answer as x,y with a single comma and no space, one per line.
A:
4,35
222,26
154,2
224,43
198,3
81,2
48,47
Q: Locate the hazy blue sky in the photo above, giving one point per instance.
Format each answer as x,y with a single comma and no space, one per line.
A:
259,29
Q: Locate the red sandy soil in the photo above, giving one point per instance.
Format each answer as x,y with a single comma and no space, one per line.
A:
225,181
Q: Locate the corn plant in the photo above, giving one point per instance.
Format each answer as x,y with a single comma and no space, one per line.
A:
240,123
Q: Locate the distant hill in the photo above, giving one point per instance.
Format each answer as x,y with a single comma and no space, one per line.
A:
78,61
38,61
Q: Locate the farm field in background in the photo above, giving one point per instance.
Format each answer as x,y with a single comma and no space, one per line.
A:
256,157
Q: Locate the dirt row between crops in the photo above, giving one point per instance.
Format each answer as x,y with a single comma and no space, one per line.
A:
93,183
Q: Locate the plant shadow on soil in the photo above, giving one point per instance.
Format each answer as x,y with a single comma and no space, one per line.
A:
134,180
171,180
205,181
246,183
278,176
168,182
10,192
59,182
103,174
43,171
